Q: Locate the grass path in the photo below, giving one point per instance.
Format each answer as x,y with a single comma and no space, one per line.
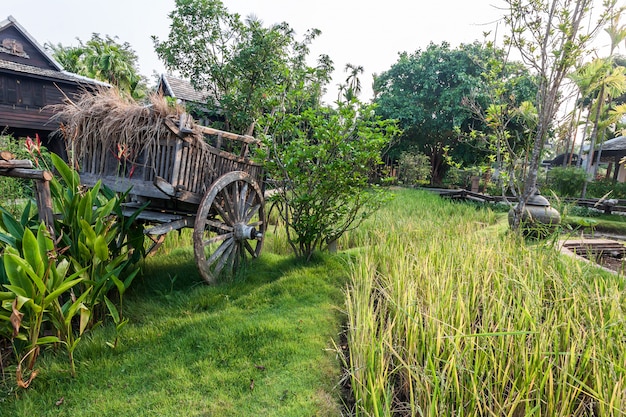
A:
257,346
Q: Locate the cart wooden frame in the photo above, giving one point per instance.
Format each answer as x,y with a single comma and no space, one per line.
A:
197,177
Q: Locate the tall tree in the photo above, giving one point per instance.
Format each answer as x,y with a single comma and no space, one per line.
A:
551,38
248,68
352,88
425,92
104,59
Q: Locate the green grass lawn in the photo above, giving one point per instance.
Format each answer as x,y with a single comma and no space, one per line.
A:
258,345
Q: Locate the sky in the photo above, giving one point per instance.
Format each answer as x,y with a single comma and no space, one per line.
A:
360,32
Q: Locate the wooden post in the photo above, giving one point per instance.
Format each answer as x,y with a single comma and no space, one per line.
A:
44,202
23,169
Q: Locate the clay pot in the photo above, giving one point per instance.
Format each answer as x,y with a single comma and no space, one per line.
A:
537,215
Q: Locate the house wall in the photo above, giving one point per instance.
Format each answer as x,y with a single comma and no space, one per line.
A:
23,101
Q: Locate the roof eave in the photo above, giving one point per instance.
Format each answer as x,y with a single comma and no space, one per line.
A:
10,20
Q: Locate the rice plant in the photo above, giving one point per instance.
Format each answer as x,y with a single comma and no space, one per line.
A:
450,315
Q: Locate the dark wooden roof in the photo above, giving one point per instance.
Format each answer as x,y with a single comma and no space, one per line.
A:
21,54
181,89
42,73
617,144
31,83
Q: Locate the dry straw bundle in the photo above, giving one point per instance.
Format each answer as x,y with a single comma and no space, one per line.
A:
106,122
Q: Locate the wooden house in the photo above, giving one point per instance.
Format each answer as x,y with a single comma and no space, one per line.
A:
200,104
611,153
30,80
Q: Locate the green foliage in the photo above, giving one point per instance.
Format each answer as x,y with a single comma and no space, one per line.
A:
600,188
246,67
426,92
37,281
413,168
57,285
14,190
104,59
566,182
321,161
197,348
100,241
444,313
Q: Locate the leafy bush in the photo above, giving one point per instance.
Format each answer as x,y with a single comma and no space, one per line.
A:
100,241
321,160
37,281
566,182
600,188
413,168
12,190
93,253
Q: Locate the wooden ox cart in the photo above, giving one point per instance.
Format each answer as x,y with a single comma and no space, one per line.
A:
190,176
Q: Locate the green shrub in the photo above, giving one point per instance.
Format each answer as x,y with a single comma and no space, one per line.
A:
93,253
322,159
14,190
600,188
413,168
566,182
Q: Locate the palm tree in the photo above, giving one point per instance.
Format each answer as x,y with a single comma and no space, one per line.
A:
353,83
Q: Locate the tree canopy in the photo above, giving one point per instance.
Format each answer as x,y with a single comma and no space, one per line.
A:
426,92
248,68
104,59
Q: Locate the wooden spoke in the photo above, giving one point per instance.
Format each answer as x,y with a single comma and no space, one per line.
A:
253,210
250,249
219,225
243,197
220,251
229,225
224,258
217,238
223,214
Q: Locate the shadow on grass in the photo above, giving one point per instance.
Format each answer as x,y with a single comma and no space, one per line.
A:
173,280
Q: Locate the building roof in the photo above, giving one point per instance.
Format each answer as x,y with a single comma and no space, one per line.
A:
615,144
182,89
49,74
10,21
53,70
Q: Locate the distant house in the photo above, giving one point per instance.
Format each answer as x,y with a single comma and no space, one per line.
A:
611,153
195,100
31,79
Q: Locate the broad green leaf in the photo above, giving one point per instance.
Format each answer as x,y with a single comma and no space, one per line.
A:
26,213
112,310
69,176
106,210
129,278
17,276
48,340
85,208
88,232
14,228
85,315
44,241
74,306
119,284
6,295
32,255
60,290
101,248
8,239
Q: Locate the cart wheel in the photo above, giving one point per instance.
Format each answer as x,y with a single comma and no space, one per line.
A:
229,226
